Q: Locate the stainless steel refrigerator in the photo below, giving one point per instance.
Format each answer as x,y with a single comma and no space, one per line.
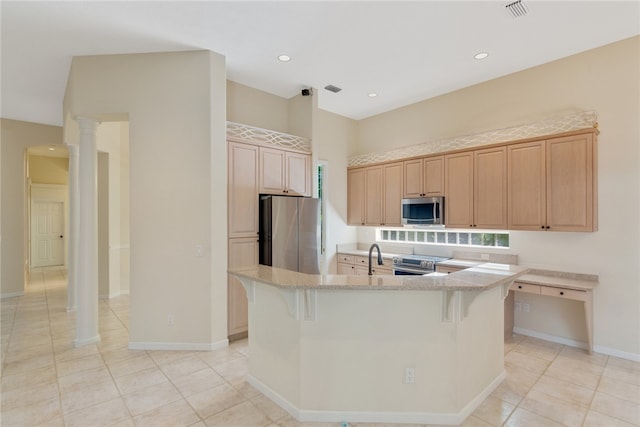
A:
289,233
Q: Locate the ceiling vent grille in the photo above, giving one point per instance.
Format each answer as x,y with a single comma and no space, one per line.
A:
517,9
332,88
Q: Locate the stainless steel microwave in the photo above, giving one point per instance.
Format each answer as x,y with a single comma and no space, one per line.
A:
423,212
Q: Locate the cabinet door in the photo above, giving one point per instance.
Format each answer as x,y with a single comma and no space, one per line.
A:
346,269
413,178
373,210
272,171
490,188
243,252
459,190
570,183
392,194
243,190
433,176
526,186
355,197
298,170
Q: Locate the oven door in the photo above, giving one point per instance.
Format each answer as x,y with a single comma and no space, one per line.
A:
409,271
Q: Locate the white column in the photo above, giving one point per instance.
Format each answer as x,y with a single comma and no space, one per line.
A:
87,285
74,227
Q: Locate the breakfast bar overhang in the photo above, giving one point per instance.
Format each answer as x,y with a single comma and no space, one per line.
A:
410,349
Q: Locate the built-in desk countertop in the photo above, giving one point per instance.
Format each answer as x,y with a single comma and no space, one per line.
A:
571,286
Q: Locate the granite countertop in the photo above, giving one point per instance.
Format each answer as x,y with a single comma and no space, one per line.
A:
580,282
482,277
460,263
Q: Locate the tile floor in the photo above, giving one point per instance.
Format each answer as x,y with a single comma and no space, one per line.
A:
46,381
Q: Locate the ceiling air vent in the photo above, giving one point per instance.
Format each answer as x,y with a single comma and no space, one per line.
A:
517,9
332,88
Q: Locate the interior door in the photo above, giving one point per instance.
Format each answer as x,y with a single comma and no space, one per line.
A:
47,234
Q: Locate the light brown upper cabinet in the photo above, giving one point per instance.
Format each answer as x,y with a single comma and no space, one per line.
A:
490,188
243,190
374,195
476,189
284,172
526,187
383,194
424,177
552,184
355,196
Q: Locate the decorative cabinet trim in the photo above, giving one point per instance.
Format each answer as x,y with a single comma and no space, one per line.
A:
555,125
244,133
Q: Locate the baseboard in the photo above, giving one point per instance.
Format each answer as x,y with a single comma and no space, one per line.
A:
12,295
552,338
186,346
616,353
377,417
579,344
87,341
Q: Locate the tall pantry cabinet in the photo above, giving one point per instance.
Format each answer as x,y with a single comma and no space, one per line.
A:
254,169
242,228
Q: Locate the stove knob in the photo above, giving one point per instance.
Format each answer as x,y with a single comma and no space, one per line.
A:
396,260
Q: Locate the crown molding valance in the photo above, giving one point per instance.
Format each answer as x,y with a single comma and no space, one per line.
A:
555,125
244,133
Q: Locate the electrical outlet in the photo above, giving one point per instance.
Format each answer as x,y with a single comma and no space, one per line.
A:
518,306
199,251
525,307
409,375
171,320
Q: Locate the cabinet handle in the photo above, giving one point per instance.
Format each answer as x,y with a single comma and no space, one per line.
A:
542,226
519,286
548,227
561,293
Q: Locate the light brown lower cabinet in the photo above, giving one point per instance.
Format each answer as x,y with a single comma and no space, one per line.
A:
353,265
243,252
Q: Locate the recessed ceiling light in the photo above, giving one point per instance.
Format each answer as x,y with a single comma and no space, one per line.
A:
372,95
284,58
481,55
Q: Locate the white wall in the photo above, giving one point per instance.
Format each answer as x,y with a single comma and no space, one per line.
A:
112,141
333,135
256,108
605,80
175,103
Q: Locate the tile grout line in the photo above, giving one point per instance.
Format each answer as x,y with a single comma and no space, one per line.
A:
533,385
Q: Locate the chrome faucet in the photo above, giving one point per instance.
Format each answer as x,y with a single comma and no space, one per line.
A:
375,245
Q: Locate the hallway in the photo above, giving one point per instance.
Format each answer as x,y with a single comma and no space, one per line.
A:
48,382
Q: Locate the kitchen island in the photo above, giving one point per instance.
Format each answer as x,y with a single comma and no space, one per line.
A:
411,349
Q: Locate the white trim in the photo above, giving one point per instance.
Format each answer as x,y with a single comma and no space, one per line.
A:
551,338
87,341
616,353
187,346
578,344
377,417
12,295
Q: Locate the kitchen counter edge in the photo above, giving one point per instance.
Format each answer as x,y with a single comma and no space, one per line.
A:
479,278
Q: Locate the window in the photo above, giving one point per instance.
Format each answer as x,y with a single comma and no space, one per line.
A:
499,239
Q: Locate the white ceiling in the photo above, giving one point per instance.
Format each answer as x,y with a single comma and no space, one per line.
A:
404,51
